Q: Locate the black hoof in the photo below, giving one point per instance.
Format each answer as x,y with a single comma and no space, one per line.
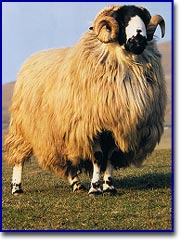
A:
16,189
92,193
95,189
81,188
78,187
17,192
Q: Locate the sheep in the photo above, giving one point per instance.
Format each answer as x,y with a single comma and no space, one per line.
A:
100,101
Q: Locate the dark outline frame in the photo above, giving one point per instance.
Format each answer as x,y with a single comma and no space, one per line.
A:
172,144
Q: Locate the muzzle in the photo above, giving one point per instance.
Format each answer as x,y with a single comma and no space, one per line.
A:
136,44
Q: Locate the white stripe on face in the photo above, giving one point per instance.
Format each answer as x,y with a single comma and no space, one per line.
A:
135,24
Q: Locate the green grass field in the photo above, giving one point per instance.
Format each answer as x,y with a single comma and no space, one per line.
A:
143,201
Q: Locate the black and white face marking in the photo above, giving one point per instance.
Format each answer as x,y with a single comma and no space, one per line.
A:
136,37
132,23
135,26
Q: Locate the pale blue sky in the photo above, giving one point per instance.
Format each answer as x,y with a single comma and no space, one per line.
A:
28,27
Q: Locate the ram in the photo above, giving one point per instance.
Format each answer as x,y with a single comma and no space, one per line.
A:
101,100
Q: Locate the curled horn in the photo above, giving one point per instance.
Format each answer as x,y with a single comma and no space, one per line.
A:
106,29
154,22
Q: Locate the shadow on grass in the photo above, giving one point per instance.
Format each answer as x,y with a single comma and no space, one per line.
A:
145,182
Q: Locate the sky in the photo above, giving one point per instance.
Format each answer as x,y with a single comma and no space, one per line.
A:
28,27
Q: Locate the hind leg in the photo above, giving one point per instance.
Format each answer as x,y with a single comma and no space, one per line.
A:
17,150
74,180
16,179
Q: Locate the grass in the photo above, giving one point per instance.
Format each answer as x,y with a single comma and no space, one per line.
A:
143,201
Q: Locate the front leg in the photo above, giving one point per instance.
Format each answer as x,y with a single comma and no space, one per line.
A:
95,187
107,180
95,182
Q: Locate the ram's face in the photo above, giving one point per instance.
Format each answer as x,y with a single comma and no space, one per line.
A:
133,24
132,27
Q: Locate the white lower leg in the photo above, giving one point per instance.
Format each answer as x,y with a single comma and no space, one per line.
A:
107,184
95,182
96,174
98,155
16,178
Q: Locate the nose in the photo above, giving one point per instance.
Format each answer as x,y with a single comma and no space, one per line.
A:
136,44
138,31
